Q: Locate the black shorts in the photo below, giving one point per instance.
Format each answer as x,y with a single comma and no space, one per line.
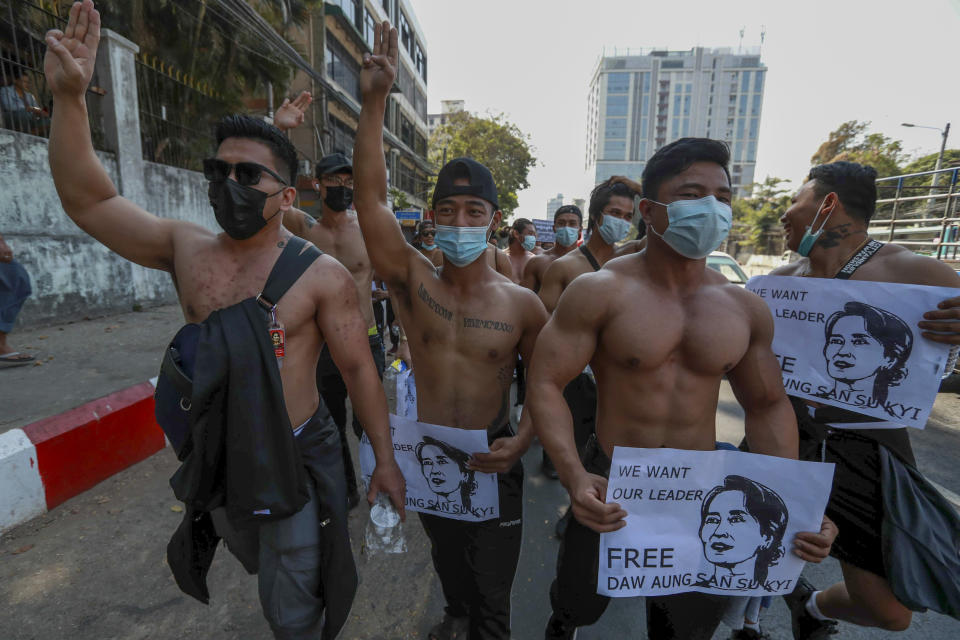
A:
856,501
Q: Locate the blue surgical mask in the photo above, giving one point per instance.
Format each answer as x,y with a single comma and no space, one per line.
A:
695,227
614,229
529,242
566,236
461,245
429,247
810,238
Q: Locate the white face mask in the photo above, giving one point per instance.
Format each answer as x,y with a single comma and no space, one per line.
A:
614,229
696,227
461,245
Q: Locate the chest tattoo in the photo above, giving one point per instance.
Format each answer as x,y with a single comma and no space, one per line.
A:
479,323
435,306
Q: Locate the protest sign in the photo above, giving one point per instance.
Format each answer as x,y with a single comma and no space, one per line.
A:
712,521
433,460
856,345
544,229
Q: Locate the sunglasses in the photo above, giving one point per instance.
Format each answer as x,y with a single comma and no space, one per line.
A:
246,173
428,233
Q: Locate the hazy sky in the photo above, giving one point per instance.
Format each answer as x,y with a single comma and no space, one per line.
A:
828,62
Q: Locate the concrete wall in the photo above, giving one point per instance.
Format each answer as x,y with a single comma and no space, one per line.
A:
73,275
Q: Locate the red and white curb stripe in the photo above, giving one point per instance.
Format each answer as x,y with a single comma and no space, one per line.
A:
49,461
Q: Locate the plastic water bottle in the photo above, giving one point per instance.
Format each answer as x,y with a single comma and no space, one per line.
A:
384,530
951,361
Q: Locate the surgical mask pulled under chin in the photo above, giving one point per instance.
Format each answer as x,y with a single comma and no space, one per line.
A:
238,209
614,229
461,245
810,238
566,236
695,227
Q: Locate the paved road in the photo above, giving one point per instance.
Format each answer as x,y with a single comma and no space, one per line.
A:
94,568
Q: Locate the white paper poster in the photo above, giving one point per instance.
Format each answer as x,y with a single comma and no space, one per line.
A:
433,460
712,521
856,345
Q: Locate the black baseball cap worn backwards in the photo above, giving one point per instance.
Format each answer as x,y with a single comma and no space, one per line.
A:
334,163
479,177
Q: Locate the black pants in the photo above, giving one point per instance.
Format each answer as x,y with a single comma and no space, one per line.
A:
581,397
333,390
521,382
477,561
574,597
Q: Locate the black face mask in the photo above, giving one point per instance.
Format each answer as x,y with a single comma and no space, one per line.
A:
239,209
338,198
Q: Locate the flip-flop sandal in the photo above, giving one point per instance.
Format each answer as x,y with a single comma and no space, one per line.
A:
450,629
15,359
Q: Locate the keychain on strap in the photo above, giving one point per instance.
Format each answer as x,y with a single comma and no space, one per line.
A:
277,336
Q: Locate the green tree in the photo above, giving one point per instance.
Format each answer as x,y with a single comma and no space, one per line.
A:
951,158
399,198
757,216
493,141
852,142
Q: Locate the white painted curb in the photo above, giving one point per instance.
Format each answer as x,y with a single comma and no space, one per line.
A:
21,490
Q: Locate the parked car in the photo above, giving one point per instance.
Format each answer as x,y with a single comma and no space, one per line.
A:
725,264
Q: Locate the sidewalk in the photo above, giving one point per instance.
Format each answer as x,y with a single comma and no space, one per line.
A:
82,412
82,361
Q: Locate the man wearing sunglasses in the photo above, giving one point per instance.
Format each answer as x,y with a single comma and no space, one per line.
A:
338,235
465,324
427,243
217,276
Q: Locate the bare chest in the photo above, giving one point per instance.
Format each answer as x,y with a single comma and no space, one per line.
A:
704,336
346,247
211,279
480,328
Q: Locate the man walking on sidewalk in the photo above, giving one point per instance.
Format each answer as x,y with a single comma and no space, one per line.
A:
219,278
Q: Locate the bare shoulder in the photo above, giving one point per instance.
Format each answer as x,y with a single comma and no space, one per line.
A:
907,267
623,263
328,276
792,269
633,246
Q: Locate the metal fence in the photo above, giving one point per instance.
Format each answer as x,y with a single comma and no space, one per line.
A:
920,211
177,114
25,100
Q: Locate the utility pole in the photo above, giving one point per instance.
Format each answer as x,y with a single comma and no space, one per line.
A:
943,147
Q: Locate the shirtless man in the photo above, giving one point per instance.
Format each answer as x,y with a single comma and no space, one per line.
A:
567,223
610,217
647,324
338,234
251,188
465,324
523,240
840,198
498,260
428,247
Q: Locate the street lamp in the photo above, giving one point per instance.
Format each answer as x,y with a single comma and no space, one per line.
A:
943,145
